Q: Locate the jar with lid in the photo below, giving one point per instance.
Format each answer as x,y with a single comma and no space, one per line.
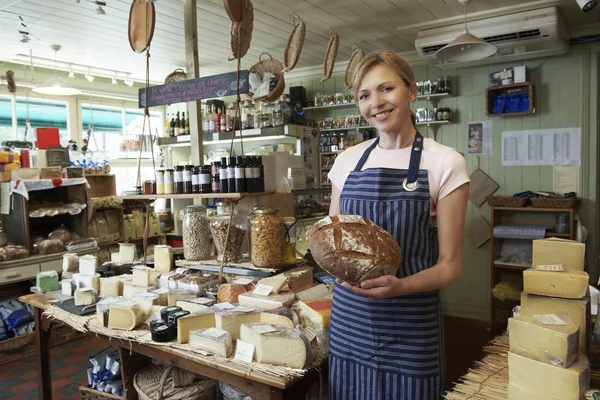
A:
205,179
160,182
266,115
318,100
178,179
228,248
196,180
188,170
169,182
286,110
266,238
147,187
256,112
277,114
231,120
350,96
247,115
339,98
196,234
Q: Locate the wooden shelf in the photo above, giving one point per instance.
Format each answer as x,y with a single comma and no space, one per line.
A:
433,123
344,105
513,89
503,265
433,96
532,209
234,196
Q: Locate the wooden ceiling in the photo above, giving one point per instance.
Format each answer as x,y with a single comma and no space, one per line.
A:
101,41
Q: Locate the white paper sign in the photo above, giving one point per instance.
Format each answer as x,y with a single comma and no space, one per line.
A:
310,333
264,328
244,351
224,306
263,290
244,281
549,319
243,309
551,267
560,146
480,137
213,333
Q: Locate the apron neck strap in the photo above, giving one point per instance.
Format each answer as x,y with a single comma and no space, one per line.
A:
415,157
365,155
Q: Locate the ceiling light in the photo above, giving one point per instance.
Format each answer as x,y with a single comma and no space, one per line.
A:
56,85
466,47
114,81
71,73
89,77
586,5
100,10
128,82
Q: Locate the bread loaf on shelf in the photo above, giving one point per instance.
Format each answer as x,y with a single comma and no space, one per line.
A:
353,249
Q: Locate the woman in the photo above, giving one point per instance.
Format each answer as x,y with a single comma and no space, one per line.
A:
386,338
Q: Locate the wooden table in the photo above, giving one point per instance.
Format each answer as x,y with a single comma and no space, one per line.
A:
134,356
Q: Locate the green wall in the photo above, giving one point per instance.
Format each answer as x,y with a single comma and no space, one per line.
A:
565,96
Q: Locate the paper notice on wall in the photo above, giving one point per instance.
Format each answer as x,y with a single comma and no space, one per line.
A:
561,146
5,198
566,180
480,137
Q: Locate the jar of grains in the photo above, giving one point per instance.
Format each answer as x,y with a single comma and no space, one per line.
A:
219,226
196,234
266,238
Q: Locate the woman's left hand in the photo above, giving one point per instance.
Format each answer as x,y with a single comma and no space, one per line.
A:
377,289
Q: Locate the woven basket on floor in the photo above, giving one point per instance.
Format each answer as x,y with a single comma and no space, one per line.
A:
295,44
155,382
240,34
273,66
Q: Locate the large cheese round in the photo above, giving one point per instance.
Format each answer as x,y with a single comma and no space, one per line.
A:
229,293
353,249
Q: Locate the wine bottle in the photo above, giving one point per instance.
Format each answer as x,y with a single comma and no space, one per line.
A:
182,125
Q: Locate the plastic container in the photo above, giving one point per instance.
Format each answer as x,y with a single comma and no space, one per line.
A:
266,238
196,234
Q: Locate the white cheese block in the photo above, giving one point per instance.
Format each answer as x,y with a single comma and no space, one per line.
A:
129,290
314,293
547,338
157,309
110,287
124,315
212,340
190,305
87,281
200,320
126,253
163,296
516,392
548,380
67,286
277,282
231,321
87,265
141,276
565,284
283,299
145,300
70,262
125,278
174,296
163,258
84,297
276,345
103,306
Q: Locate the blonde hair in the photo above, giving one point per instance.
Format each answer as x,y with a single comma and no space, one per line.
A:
391,60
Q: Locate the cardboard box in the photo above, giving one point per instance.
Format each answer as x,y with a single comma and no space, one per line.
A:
569,253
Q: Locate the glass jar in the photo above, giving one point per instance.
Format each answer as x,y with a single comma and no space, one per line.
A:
339,98
169,182
147,187
196,234
188,170
256,115
178,179
318,100
205,185
286,109
231,124
266,115
277,114
196,180
160,182
266,238
247,115
228,249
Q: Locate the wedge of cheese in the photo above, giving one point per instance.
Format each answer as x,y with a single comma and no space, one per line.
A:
163,296
314,293
565,284
200,320
84,297
277,282
87,281
283,299
173,297
145,300
276,345
124,315
547,338
212,340
191,305
110,287
231,321
163,258
315,313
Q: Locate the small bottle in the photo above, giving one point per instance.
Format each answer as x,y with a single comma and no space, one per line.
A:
172,126
176,127
205,122
196,180
255,174
231,175
205,179
240,176
169,181
167,132
187,124
178,179
261,175
215,185
212,128
223,176
187,179
160,182
249,174
218,120
182,125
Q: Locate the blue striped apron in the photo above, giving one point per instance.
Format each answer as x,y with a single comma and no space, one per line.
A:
390,349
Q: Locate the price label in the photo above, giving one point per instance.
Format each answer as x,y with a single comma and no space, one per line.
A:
263,290
549,319
310,333
213,333
243,309
264,328
244,281
551,267
224,306
244,351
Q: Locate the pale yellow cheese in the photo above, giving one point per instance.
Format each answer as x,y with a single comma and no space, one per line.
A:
314,293
231,321
87,265
163,296
126,253
173,297
84,297
569,253
545,342
157,309
565,284
548,380
145,301
275,345
190,305
67,286
163,258
110,287
212,340
129,289
87,281
516,392
124,315
200,320
283,299
103,307
578,310
144,276
275,319
277,282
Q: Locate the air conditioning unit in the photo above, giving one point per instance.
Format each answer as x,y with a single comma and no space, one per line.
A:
519,36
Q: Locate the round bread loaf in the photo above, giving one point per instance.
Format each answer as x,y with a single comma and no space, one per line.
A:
229,293
353,249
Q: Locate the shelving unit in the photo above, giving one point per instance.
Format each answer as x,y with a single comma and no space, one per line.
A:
500,311
233,196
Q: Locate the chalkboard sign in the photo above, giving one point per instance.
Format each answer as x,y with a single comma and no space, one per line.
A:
57,156
194,89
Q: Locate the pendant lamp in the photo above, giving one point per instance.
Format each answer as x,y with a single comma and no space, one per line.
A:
56,85
466,47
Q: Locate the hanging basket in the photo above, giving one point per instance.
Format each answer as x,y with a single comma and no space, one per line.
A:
273,66
240,34
295,44
330,55
357,55
155,382
235,9
176,76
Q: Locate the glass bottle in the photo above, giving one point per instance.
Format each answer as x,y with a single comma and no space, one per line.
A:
247,115
266,115
277,114
196,234
230,126
256,115
266,238
219,226
160,182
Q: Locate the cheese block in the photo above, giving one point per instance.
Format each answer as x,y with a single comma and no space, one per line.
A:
191,305
145,300
200,320
67,286
157,309
279,319
46,281
87,281
231,320
516,392
212,340
283,299
548,380
70,262
229,293
126,253
277,282
578,310
547,338
144,276
103,306
124,315
276,345
129,290
163,258
298,279
84,297
125,278
314,293
110,287
163,296
565,284
569,253
87,265
174,296
315,313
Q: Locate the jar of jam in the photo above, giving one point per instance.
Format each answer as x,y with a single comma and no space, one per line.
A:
147,187
160,182
178,179
196,180
205,184
187,179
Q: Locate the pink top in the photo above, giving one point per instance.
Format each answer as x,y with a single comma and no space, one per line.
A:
446,168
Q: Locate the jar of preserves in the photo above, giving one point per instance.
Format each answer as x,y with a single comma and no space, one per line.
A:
266,115
318,100
196,234
277,114
266,238
228,248
160,182
247,115
178,179
188,171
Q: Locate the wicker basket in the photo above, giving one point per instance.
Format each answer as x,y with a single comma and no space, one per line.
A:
176,76
275,67
240,34
155,382
295,44
86,393
553,202
507,201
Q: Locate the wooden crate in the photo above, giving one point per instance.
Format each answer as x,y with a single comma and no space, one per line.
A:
102,185
513,88
86,393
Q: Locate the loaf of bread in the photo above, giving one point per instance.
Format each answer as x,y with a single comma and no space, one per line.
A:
229,293
353,249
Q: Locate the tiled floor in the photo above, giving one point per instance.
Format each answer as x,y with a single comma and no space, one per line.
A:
18,380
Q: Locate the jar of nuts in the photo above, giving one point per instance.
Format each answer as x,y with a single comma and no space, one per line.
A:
196,234
219,226
266,238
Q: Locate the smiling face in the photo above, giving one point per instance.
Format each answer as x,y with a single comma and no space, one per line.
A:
384,99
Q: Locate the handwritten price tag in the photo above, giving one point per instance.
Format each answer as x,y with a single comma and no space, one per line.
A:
244,351
263,290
